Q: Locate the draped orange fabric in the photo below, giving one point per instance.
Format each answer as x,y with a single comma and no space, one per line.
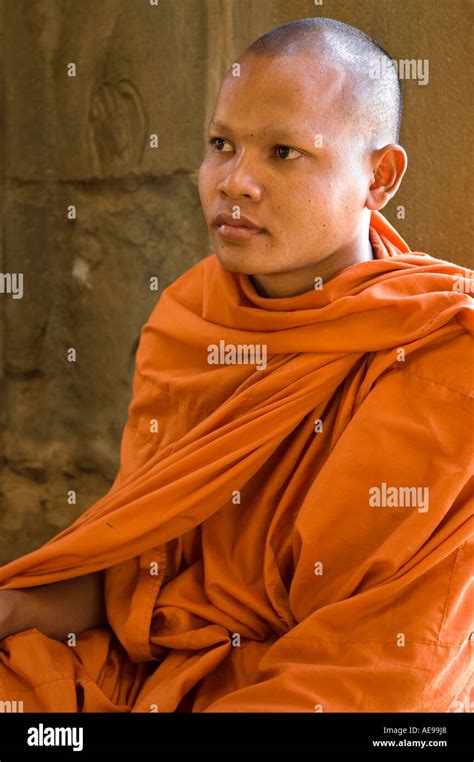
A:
290,537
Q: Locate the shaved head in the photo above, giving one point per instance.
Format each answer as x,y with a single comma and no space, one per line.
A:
373,98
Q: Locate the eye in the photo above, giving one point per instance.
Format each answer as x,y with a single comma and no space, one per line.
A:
287,148
212,142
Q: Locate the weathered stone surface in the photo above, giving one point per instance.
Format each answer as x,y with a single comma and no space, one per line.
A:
84,142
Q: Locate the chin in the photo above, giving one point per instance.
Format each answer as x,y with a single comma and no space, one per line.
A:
237,261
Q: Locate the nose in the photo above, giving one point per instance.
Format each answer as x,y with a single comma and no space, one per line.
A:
239,180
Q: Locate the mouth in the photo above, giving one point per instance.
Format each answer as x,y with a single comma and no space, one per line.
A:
238,232
236,229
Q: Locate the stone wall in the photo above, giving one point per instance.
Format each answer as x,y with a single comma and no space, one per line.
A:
91,211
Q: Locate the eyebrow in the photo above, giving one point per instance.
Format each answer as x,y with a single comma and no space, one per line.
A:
276,132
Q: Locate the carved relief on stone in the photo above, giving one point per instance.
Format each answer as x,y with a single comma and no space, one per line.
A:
117,127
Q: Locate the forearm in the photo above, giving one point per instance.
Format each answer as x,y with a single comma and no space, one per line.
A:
57,609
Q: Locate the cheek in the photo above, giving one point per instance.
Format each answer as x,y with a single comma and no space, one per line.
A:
299,204
204,181
201,176
205,172
317,200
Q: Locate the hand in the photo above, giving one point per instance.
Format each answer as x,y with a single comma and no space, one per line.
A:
56,609
8,626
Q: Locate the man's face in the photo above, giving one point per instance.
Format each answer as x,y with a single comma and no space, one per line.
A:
307,188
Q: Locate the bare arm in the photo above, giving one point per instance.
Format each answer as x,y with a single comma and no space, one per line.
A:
57,609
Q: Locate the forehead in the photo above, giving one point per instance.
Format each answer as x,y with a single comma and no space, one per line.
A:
304,89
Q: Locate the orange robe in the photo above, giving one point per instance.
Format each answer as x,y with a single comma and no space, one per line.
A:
292,538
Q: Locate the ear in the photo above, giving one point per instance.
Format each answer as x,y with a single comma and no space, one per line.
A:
388,167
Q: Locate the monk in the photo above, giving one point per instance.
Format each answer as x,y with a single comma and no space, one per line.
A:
290,529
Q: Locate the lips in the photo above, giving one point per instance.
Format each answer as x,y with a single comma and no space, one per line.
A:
241,222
